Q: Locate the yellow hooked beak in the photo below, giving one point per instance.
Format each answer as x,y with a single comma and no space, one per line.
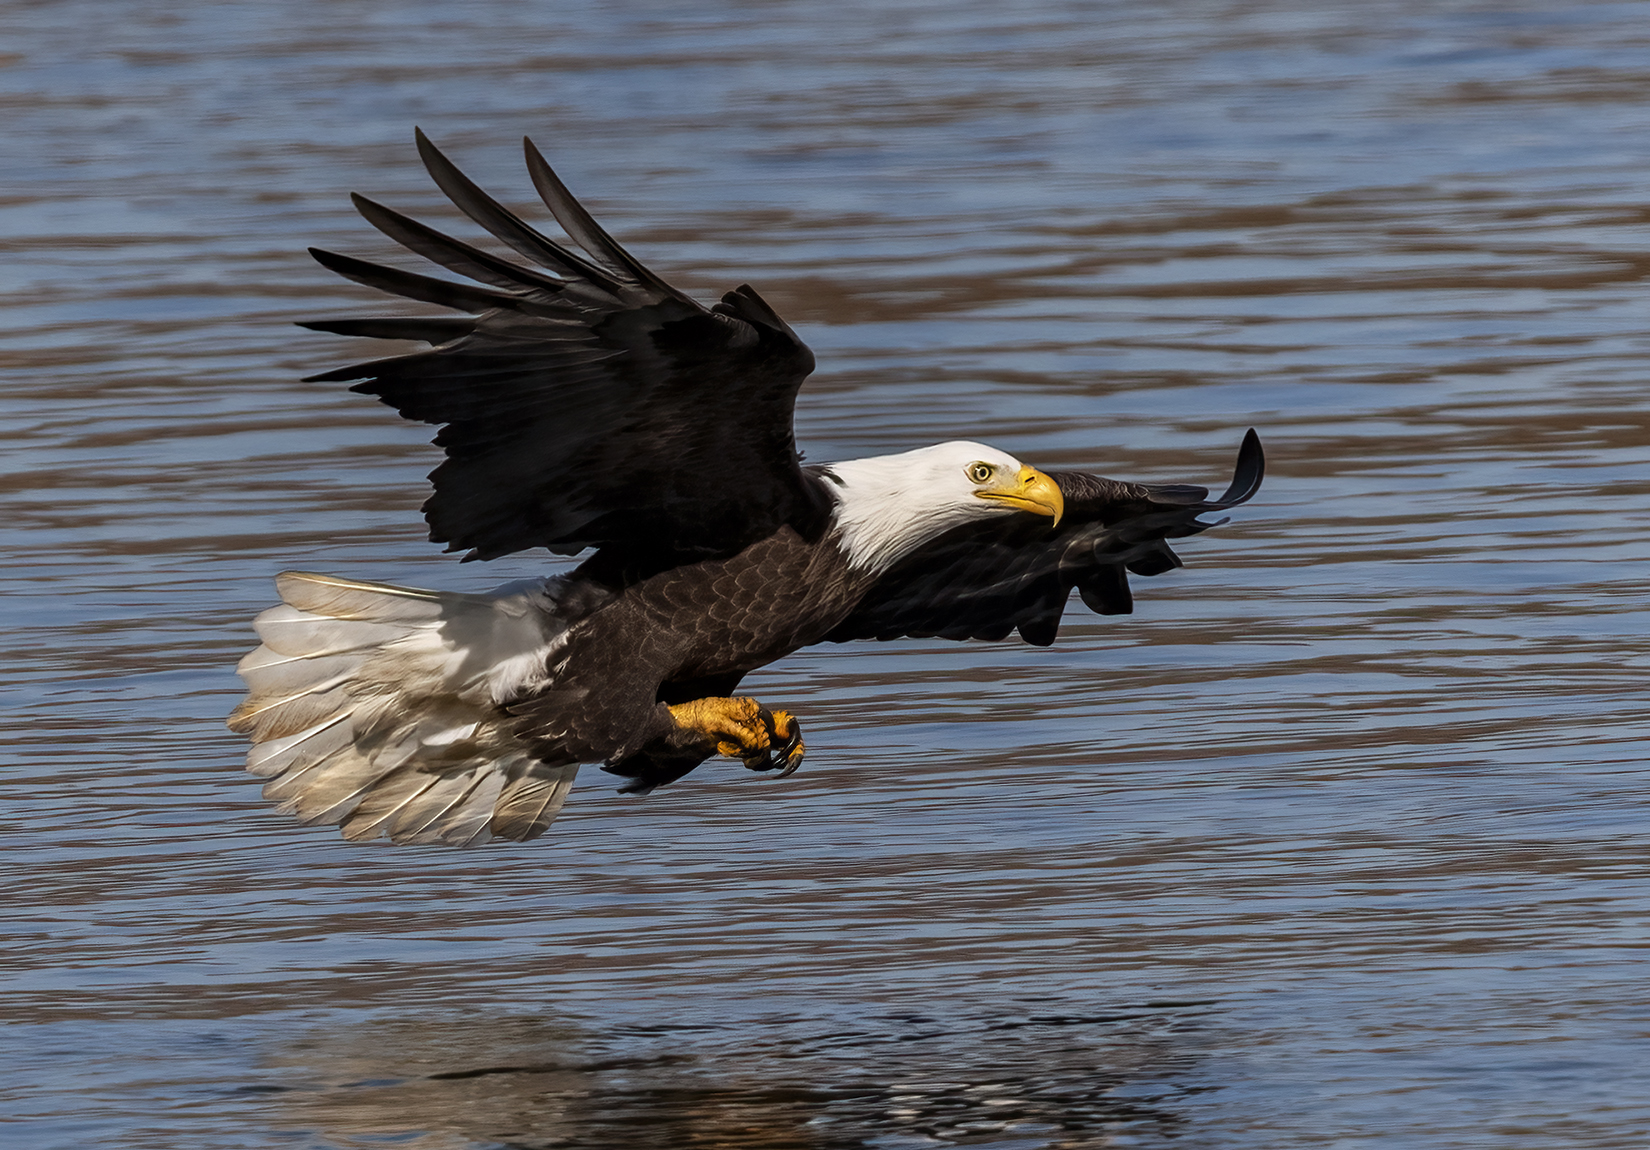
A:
1031,491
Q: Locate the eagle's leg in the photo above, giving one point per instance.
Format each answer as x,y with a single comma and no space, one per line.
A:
744,729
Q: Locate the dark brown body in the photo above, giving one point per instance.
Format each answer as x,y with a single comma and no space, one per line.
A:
689,632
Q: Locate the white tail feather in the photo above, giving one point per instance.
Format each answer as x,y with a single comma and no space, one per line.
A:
470,821
531,802
300,750
378,708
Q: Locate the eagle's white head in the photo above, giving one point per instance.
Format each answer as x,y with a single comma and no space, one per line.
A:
890,505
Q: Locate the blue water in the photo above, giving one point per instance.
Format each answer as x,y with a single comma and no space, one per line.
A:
1340,840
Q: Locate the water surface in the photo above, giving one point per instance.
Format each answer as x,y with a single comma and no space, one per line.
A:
1338,841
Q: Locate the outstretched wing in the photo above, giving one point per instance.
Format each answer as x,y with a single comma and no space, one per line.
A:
586,402
985,580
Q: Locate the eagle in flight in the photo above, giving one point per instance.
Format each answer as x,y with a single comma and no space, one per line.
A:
587,405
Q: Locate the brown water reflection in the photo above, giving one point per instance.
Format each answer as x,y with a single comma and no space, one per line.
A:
1366,780
528,1082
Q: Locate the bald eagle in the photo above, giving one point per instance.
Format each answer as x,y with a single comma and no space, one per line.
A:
587,405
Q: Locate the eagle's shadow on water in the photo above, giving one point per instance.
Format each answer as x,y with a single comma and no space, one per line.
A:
1026,1079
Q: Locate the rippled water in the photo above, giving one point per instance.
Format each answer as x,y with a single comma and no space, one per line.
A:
1340,840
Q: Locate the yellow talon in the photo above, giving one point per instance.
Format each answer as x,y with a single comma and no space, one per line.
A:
743,729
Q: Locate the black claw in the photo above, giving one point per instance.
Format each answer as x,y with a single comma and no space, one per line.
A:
787,760
790,755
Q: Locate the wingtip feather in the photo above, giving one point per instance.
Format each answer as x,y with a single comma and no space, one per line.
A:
1248,473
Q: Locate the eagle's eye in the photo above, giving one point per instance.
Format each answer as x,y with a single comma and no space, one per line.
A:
981,472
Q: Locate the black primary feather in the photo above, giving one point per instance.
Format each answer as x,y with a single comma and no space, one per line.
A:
985,580
589,404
